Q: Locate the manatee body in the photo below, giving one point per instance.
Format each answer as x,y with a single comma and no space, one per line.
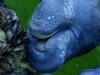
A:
60,30
95,71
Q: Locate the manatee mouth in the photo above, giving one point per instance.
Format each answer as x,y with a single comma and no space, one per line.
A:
42,36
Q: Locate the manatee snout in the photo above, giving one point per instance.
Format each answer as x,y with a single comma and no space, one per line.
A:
50,17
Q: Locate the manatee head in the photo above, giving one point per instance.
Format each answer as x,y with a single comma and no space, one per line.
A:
50,17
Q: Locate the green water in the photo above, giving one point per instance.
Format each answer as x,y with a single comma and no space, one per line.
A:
24,9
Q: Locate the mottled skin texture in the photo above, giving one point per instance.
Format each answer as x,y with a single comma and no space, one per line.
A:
95,71
62,29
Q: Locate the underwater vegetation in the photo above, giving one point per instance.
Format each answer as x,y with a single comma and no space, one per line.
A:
12,43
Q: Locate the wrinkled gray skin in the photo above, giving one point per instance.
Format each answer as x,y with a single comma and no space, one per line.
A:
95,71
50,17
62,29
